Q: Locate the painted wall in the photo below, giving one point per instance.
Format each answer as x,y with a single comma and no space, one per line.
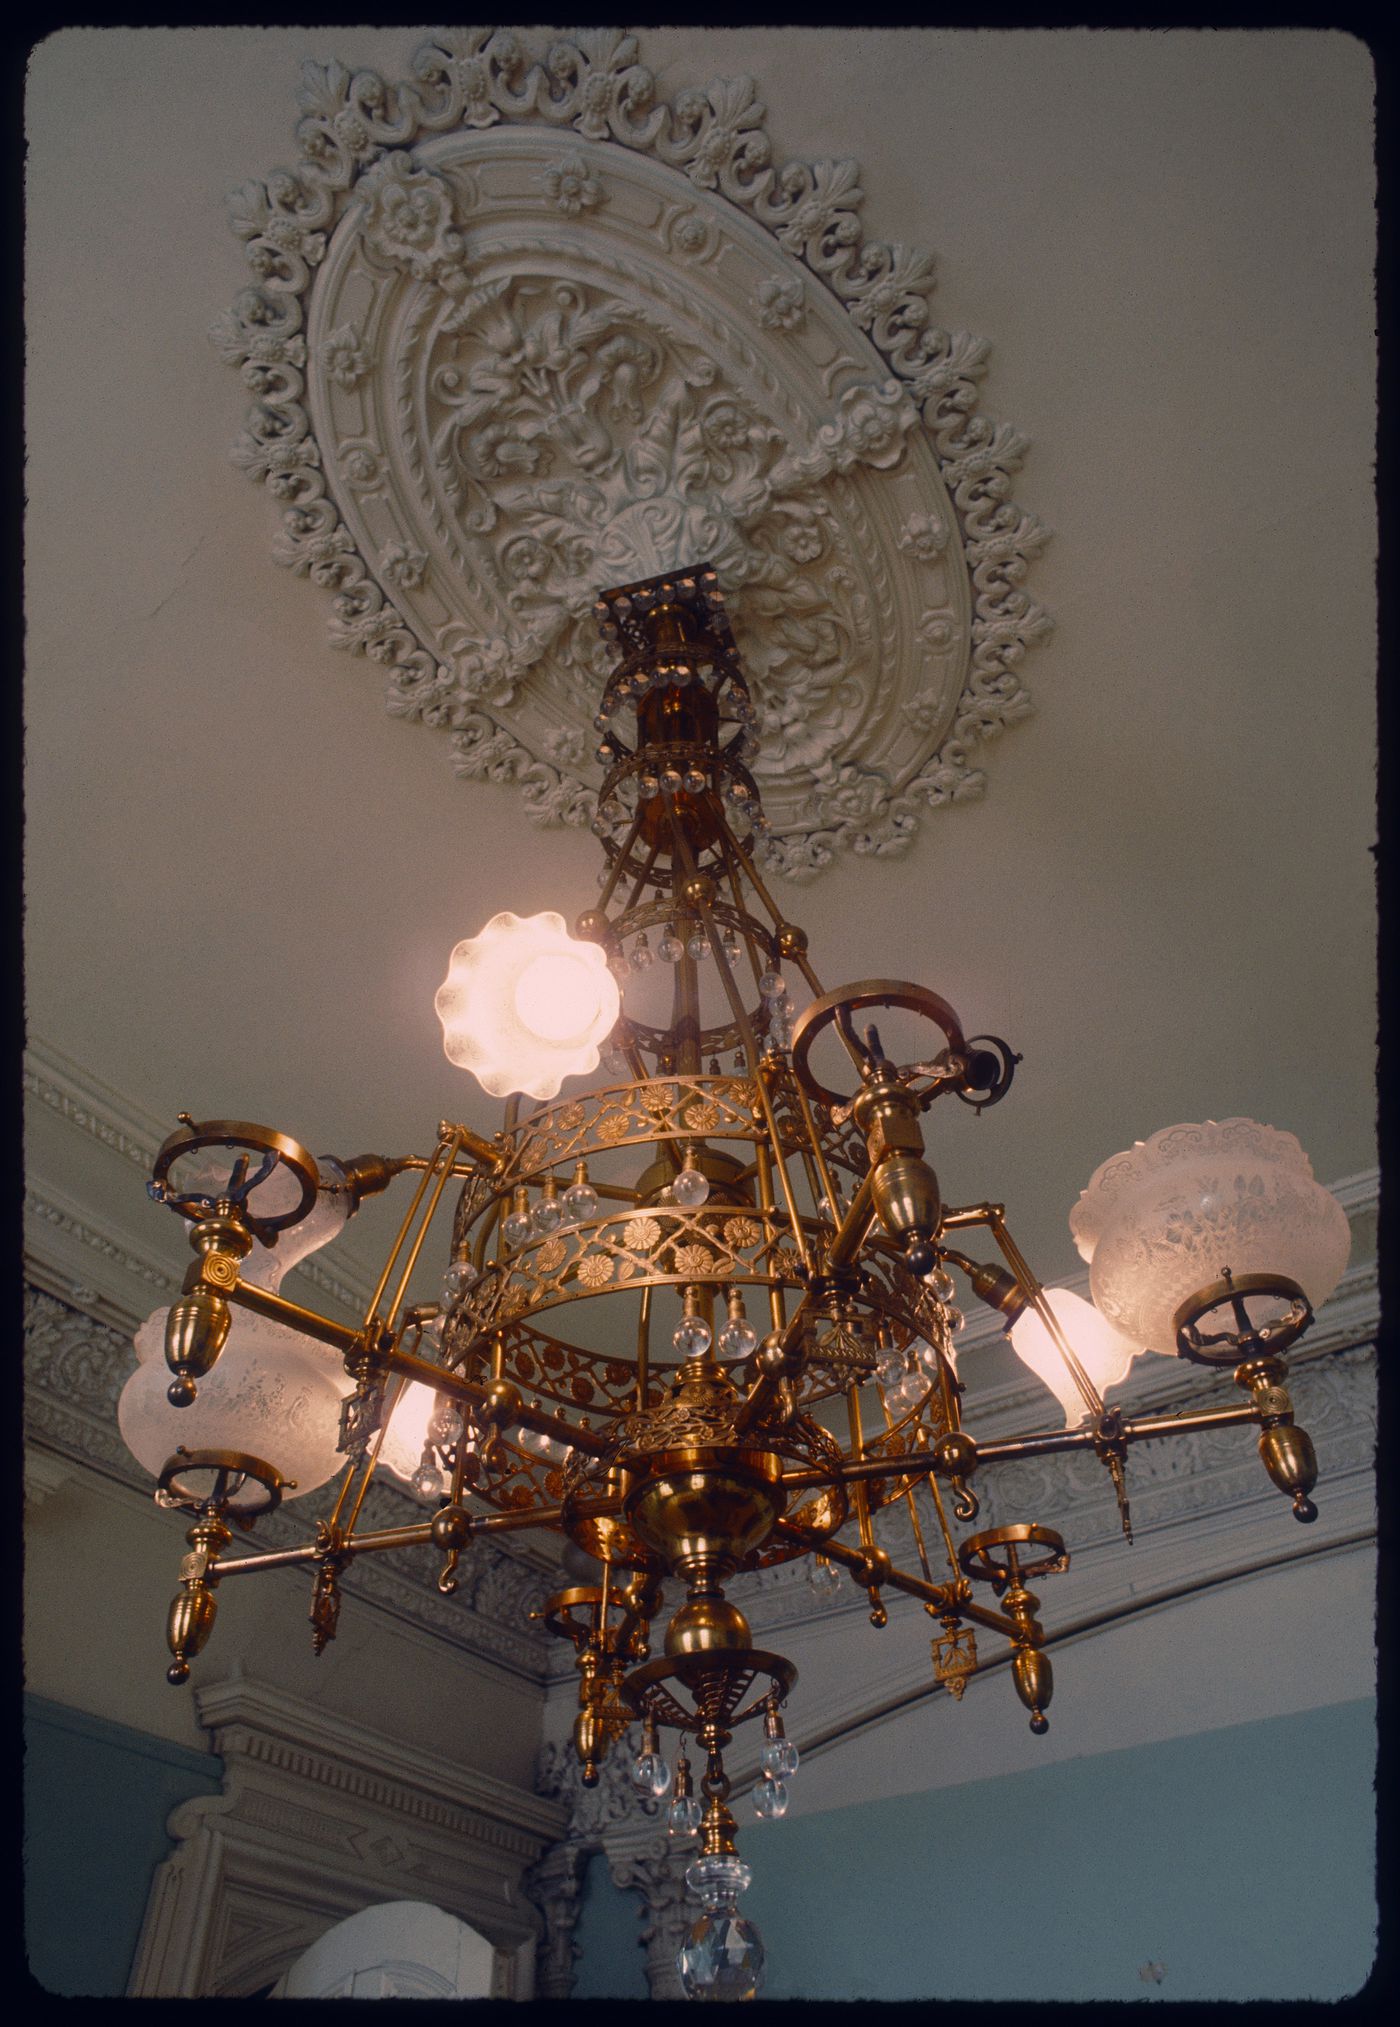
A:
611,1963
1242,1859
96,1799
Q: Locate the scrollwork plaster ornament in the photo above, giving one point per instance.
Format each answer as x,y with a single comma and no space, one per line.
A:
481,395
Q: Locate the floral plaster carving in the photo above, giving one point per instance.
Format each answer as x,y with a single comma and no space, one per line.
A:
519,329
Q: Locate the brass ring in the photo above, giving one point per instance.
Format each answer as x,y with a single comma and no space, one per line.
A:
1229,1347
239,1133
226,1463
977,1560
814,1019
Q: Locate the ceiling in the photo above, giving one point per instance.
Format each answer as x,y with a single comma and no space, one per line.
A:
244,877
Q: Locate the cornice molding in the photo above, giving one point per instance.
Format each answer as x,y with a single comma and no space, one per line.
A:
252,1721
480,395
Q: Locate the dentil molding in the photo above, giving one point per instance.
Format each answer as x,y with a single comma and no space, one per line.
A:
519,330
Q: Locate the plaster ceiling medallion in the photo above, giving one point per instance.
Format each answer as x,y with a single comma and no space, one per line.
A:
520,331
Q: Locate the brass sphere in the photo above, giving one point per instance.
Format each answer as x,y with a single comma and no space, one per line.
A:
707,1626
502,1399
771,1359
792,941
877,1566
591,925
955,1454
698,891
451,1526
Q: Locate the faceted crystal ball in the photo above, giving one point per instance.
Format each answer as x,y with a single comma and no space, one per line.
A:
722,1957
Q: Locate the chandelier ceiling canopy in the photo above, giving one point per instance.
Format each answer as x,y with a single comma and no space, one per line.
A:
520,329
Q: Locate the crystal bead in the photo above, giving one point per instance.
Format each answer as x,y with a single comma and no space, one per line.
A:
695,783
427,1482
955,1320
684,1816
651,1775
772,984
671,780
941,1284
697,947
547,1215
642,953
445,1428
614,1063
458,1278
891,1369
927,1356
911,1389
516,1229
670,949
778,1759
732,948
649,784
737,1339
691,1337
690,1188
823,1579
156,1192
770,1799
718,1877
579,1201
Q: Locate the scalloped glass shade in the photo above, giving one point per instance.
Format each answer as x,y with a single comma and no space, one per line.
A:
525,1005
1103,1353
272,1394
1163,1220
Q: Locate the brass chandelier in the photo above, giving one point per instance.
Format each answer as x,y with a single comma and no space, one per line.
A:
699,1317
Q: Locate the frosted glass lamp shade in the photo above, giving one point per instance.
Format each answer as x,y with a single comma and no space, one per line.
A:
1163,1221
1104,1354
273,1395
525,1005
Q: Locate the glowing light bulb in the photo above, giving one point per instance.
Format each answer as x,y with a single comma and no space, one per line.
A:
1104,1354
558,995
525,1004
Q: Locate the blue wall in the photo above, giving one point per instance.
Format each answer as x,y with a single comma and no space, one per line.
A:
1242,1859
96,1796
612,1960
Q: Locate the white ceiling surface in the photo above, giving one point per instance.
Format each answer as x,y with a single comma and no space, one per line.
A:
244,879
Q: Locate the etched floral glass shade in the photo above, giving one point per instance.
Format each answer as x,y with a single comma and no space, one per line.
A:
272,1394
1165,1219
525,1005
1102,1351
